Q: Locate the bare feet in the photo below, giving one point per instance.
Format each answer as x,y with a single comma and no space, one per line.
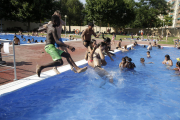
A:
56,71
81,70
38,70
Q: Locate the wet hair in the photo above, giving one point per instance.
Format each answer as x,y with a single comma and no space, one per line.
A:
148,52
168,57
142,59
130,64
144,46
91,24
178,63
36,41
92,41
101,44
129,59
124,58
159,47
107,39
55,20
125,46
28,39
57,11
129,48
41,40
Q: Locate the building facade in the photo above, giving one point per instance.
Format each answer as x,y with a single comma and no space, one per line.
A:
175,12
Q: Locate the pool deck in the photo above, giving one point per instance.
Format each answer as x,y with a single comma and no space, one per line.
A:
28,56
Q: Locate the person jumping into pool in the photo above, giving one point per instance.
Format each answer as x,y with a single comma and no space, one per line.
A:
148,54
167,61
59,30
55,53
96,56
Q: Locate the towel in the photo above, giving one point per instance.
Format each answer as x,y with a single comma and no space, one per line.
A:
6,47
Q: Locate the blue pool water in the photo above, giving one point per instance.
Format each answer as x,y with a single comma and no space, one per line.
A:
151,92
11,37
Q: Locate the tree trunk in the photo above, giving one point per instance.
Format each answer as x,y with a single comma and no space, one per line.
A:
69,26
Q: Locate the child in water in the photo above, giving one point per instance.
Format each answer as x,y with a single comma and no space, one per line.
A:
167,61
148,54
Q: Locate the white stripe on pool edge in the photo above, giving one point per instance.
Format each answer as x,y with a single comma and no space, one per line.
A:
10,87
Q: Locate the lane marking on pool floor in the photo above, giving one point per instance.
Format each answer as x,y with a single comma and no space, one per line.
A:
15,85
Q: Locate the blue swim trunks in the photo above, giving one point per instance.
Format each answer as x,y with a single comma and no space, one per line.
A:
56,45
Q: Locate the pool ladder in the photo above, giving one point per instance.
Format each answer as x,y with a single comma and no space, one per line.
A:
8,55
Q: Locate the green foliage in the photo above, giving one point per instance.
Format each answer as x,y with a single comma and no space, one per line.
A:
168,20
117,13
147,12
74,11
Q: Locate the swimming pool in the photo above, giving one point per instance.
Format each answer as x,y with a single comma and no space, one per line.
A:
150,92
11,37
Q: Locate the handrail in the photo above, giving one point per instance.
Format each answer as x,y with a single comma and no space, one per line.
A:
14,60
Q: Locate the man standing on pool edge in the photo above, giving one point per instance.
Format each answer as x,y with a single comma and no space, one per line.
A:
86,35
55,53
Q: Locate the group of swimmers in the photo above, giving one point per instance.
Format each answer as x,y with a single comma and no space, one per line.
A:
17,41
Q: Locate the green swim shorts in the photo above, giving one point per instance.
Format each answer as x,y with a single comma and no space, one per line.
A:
53,51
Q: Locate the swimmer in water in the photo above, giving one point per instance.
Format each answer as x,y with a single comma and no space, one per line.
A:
142,60
123,63
125,49
29,41
177,66
159,47
149,47
130,65
55,53
135,43
167,61
148,54
155,45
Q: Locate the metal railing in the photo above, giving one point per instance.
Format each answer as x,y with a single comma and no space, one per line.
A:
8,55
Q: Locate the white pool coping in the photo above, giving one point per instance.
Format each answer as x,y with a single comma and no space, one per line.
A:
15,85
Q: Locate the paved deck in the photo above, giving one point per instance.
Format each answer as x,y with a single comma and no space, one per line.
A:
28,56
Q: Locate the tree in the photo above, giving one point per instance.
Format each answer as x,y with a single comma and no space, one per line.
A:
147,12
168,20
32,10
118,13
73,9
